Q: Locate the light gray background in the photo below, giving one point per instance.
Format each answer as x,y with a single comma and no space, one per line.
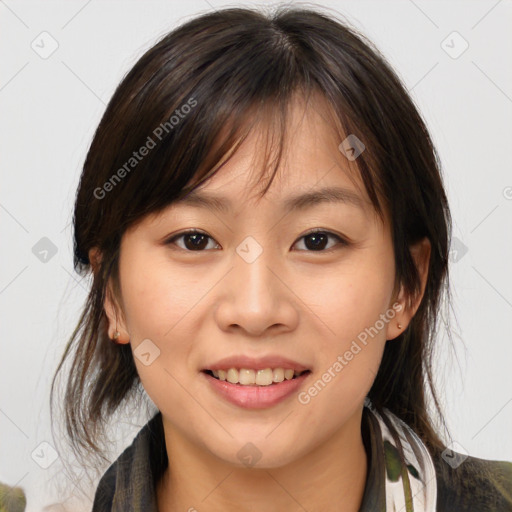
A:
49,111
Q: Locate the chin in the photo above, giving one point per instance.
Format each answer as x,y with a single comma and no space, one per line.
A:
255,451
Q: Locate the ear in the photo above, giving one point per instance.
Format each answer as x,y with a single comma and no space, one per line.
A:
420,253
110,305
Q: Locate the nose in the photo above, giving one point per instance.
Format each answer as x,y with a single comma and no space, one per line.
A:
256,297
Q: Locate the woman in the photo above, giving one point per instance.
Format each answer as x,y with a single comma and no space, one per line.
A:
263,212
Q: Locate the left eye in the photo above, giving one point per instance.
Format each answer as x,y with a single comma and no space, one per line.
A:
317,240
197,240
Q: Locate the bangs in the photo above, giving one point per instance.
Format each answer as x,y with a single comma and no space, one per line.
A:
270,121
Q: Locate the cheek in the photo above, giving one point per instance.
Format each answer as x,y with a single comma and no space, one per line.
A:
348,361
355,321
157,298
158,303
350,298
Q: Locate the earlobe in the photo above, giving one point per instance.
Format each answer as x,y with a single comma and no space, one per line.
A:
400,321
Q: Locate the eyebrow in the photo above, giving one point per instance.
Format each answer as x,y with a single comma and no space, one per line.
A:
295,203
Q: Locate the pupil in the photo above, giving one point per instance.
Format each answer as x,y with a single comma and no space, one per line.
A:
198,237
317,243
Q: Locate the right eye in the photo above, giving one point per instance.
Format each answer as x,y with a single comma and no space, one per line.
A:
194,240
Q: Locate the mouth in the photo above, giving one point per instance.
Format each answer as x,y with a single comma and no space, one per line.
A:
255,389
247,377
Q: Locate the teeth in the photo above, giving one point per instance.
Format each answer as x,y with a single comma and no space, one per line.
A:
247,377
278,375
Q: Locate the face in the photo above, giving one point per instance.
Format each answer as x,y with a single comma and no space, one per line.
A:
251,280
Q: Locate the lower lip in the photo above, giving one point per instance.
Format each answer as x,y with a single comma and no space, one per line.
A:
256,397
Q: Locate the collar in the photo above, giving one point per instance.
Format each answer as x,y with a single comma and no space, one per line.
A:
129,483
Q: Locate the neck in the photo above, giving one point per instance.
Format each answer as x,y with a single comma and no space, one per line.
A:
331,477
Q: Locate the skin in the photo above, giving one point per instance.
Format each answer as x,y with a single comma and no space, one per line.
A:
305,304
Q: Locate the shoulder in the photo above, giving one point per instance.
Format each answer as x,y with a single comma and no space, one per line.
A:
131,477
468,484
104,494
109,482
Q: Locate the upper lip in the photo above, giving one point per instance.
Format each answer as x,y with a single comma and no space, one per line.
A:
259,363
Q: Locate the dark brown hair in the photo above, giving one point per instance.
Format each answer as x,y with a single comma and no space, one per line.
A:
196,94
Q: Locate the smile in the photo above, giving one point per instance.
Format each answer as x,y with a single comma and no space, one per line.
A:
255,396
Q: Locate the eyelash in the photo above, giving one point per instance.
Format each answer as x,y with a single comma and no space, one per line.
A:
341,241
